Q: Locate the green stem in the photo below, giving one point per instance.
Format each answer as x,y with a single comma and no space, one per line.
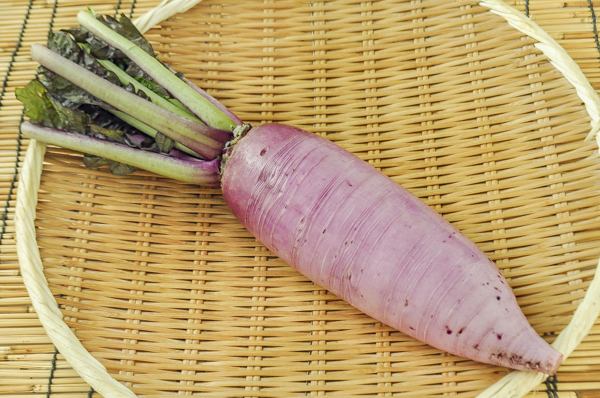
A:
155,98
183,169
206,141
200,106
144,128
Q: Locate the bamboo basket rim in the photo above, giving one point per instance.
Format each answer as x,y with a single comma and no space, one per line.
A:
515,384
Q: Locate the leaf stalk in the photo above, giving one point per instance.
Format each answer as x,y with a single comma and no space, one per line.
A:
204,140
182,168
196,103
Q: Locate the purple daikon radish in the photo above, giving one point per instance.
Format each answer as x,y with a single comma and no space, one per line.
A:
349,228
321,209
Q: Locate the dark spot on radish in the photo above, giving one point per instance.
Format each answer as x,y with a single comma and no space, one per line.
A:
325,230
515,359
498,298
263,152
349,183
499,336
448,331
531,365
476,346
406,303
411,328
461,330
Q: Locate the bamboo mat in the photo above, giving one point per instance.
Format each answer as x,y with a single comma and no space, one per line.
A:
173,296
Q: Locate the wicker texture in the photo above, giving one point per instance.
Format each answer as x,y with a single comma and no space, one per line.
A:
171,294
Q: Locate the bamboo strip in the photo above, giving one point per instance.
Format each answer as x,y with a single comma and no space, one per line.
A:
43,301
517,384
557,55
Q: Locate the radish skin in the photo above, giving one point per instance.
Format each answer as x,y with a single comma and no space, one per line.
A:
354,231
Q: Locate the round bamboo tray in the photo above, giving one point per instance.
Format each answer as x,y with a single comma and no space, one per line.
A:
150,287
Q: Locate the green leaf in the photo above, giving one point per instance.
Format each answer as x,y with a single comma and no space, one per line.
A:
116,168
68,93
111,134
63,43
69,119
94,162
46,110
164,143
79,33
38,107
120,169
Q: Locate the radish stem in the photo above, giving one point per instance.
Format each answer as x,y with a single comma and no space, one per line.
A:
144,128
155,98
206,141
182,168
213,101
196,103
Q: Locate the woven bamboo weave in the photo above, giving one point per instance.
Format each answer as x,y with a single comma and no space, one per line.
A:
171,295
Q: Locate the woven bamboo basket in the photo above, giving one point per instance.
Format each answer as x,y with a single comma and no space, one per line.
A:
151,287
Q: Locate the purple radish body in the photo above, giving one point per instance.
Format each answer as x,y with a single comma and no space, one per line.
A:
354,231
